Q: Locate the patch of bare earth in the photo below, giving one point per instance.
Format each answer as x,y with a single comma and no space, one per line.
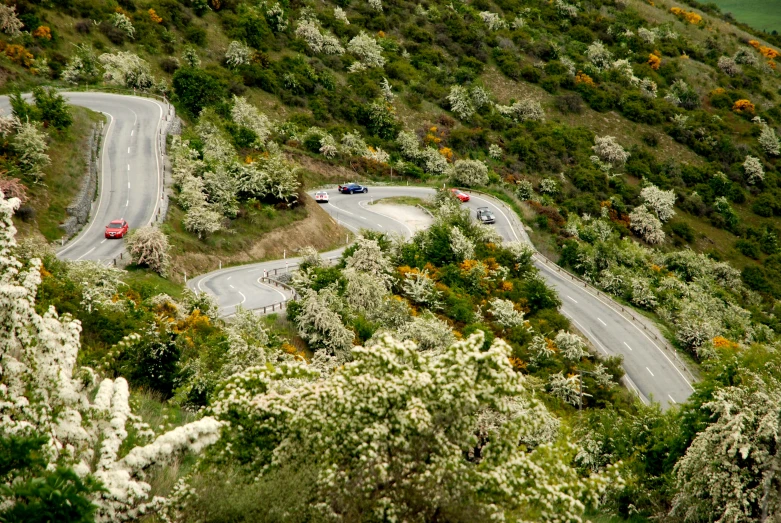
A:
318,229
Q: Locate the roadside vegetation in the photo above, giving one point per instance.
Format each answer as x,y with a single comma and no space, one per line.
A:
430,379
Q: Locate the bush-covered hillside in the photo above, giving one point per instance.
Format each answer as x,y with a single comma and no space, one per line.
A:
429,379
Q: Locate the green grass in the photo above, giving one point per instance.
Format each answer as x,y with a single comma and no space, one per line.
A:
150,283
405,200
64,176
764,15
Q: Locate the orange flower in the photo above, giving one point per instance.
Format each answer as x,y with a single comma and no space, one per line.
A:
654,61
769,52
717,91
381,34
772,64
754,44
507,285
447,152
583,78
154,17
517,363
689,16
43,32
742,106
721,342
19,55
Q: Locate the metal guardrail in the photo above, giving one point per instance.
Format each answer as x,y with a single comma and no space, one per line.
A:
609,301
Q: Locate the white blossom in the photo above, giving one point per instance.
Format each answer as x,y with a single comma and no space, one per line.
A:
461,102
238,54
29,143
9,21
470,173
646,225
387,92
608,150
661,202
320,324
318,42
505,313
328,146
728,66
492,20
523,110
599,56
648,88
754,170
83,66
565,9
566,388
571,345
369,258
247,115
190,57
123,23
549,186
462,247
420,288
367,50
340,15
126,69
647,35
149,246
276,18
495,152
768,139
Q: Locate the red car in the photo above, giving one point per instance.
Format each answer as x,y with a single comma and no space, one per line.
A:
461,195
116,229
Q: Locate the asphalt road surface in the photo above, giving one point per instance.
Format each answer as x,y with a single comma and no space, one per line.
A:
651,370
130,177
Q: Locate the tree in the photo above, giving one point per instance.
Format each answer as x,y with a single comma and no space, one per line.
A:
9,21
309,31
203,220
755,172
661,202
368,257
492,20
523,110
149,246
83,66
320,324
646,225
53,109
728,66
732,469
470,173
609,151
768,139
367,50
599,56
123,23
196,89
127,69
571,345
30,147
380,436
247,115
505,314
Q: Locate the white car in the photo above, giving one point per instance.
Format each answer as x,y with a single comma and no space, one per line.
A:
321,197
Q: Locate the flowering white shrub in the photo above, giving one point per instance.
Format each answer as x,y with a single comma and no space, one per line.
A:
648,36
203,220
247,115
495,152
470,173
549,186
737,448
768,139
238,54
661,202
642,294
328,146
524,189
275,16
523,110
420,288
399,435
376,5
461,102
99,284
566,388
368,257
83,66
746,56
728,66
126,69
318,42
648,88
367,50
682,95
270,176
609,151
461,245
518,23
319,323
29,143
599,56
387,91
123,23
428,332
9,21
505,313
365,293
217,149
340,15
646,225
565,9
754,170
149,246
571,345
492,20
190,57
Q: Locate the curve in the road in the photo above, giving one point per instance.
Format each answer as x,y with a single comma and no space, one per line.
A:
650,371
130,182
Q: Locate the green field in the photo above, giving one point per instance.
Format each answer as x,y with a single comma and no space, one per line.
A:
764,15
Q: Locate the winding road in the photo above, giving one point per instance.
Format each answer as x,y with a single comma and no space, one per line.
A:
651,369
130,178
131,184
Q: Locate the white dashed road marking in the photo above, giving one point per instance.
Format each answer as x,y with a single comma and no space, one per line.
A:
671,399
571,298
602,322
627,346
649,372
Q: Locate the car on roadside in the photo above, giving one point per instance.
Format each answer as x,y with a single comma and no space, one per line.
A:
484,215
321,197
352,188
117,229
461,195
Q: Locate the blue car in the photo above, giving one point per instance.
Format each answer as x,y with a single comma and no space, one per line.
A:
352,188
